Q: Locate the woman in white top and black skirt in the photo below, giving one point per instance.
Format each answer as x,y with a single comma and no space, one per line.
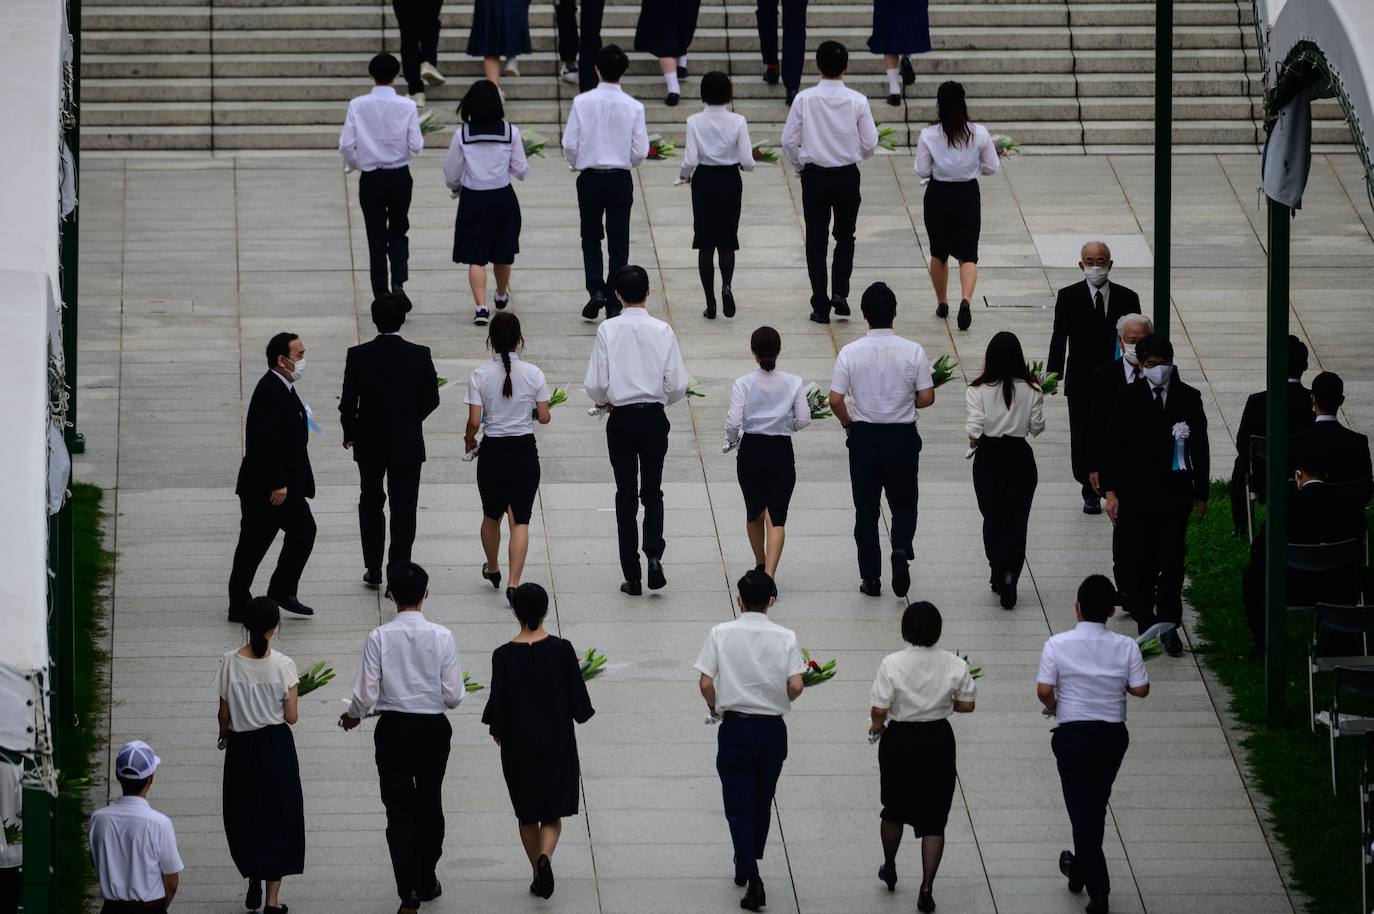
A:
767,406
264,814
1005,407
914,693
485,154
505,397
952,153
717,148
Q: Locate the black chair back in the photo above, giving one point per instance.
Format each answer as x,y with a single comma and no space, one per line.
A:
1346,620
1324,557
1359,682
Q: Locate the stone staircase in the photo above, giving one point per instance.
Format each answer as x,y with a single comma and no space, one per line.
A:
1058,75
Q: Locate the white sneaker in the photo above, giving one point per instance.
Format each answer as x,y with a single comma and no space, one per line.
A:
418,98
512,66
569,74
431,75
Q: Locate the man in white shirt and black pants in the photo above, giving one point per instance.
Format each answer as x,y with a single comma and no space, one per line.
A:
635,370
889,378
133,846
751,670
829,131
410,675
603,139
1085,675
380,136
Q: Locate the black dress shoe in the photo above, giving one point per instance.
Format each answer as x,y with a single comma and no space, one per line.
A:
593,306
1172,644
672,99
908,72
1097,905
632,588
791,96
894,100
840,306
965,315
709,313
253,900
292,605
942,310
268,909
544,876
656,579
510,596
1007,590
888,874
372,579
493,576
754,897
901,574
873,588
820,317
770,76
925,902
1092,504
1066,867
433,892
727,302
411,905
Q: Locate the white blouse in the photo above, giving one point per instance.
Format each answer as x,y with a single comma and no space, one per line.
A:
988,413
255,688
485,161
507,417
717,136
935,158
921,683
766,403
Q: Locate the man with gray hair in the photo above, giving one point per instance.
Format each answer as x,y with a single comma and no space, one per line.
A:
1085,315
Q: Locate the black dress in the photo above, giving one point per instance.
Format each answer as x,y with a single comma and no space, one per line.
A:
537,693
666,27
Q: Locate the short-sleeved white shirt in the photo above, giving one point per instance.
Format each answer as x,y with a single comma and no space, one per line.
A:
507,417
921,683
132,847
1090,669
751,658
255,688
882,372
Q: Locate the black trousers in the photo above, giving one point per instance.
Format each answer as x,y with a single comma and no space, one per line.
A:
1081,440
11,888
591,38
637,439
793,37
418,23
1149,546
749,757
604,196
385,198
827,192
1238,512
412,754
1004,479
258,525
403,484
1089,754
883,458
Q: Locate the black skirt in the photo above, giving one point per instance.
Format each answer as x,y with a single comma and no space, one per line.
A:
508,476
488,226
716,195
916,769
953,217
900,27
767,473
500,28
666,27
264,815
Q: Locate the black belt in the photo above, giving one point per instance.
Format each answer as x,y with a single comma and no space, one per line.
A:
649,405
740,715
607,171
810,165
397,168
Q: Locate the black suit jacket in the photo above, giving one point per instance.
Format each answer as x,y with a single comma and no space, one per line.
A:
389,387
1317,513
274,443
1347,452
1106,382
1140,441
1090,340
1252,418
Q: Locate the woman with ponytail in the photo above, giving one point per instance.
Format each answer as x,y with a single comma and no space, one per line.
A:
766,407
264,815
505,396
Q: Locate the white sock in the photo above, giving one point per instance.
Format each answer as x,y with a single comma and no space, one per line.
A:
682,61
894,82
671,80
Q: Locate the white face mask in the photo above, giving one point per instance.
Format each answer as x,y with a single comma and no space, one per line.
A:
297,369
1128,353
1158,375
1096,275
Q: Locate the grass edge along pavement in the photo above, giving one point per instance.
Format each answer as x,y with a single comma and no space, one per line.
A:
1319,831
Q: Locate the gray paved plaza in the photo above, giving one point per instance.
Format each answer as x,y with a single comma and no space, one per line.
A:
189,265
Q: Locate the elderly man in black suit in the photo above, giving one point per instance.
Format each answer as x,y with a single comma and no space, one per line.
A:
1346,451
389,388
1085,316
1252,425
275,482
1155,475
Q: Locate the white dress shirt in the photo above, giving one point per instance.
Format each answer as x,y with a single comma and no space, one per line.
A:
409,664
485,161
751,658
717,136
921,683
988,413
605,129
635,359
935,158
882,373
507,417
1090,669
1132,372
132,847
381,130
1325,418
829,125
767,403
255,688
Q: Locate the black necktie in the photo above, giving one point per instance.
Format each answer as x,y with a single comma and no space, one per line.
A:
1101,304
1159,398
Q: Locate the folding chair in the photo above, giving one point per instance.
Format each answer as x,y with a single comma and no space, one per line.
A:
1354,682
1341,558
1336,620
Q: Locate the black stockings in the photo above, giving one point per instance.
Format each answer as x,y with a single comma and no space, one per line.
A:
706,266
932,849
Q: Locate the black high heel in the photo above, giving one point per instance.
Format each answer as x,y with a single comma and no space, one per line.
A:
925,902
493,576
888,874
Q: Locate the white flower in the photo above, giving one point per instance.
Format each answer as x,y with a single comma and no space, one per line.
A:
1181,431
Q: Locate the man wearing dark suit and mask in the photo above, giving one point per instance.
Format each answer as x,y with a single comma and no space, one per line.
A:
1155,475
275,482
1085,316
1346,451
1252,424
389,387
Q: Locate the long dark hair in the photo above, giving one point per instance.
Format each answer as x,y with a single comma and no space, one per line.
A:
766,344
260,616
482,104
952,113
503,337
1005,364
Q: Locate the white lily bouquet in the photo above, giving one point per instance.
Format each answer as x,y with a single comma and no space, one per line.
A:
818,400
441,381
974,672
1181,433
694,389
470,685
816,673
763,152
534,144
1006,146
943,369
14,833
659,148
885,135
593,665
1148,641
557,396
429,123
1049,383
313,678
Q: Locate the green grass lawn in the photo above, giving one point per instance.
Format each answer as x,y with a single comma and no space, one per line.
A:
1292,766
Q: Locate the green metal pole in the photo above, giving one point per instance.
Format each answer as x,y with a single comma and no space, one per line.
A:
69,231
1164,138
1276,457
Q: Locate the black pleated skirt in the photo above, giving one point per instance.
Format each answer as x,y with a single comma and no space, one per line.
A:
508,476
916,770
487,229
717,192
500,28
264,814
666,27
